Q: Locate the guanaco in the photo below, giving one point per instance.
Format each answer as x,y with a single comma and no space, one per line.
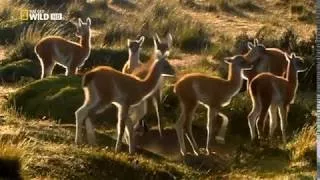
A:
134,47
272,60
54,50
160,47
104,86
274,93
211,92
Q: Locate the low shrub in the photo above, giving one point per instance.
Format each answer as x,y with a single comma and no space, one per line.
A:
54,97
10,30
115,58
15,71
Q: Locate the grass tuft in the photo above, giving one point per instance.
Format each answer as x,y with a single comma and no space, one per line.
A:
303,145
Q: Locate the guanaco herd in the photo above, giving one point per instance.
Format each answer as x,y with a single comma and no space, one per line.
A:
271,76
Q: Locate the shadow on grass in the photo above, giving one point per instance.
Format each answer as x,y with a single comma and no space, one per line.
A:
124,4
9,169
250,6
261,159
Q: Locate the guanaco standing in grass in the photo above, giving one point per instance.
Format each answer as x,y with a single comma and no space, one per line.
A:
134,47
272,60
160,47
273,93
211,92
104,86
54,50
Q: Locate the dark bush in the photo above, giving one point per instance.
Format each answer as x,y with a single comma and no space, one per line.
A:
23,50
10,30
15,71
115,58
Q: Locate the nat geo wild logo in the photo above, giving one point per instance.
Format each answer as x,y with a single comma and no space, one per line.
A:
39,15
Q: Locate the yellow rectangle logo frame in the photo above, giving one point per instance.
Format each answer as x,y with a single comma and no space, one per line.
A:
24,15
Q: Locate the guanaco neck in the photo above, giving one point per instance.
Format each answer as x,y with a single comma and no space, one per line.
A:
85,41
234,78
292,79
151,81
134,59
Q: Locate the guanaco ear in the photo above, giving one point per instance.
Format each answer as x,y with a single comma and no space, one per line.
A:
128,42
256,42
293,55
88,21
250,45
141,40
80,22
228,60
169,40
158,39
155,43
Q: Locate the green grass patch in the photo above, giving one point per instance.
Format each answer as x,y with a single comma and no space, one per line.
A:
303,145
54,97
15,71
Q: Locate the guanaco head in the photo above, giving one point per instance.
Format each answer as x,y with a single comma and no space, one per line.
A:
162,47
297,62
83,29
255,51
239,61
165,68
135,45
